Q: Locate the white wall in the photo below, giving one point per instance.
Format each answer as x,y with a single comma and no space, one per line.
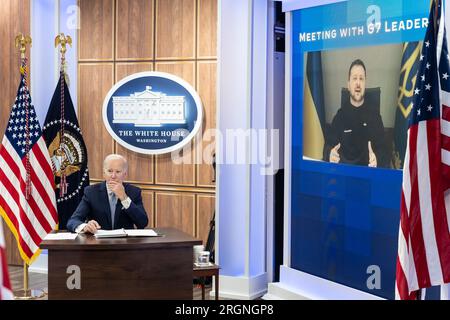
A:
241,189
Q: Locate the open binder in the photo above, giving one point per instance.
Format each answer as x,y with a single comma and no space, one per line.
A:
120,233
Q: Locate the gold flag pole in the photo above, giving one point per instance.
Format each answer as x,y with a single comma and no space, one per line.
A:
62,41
22,42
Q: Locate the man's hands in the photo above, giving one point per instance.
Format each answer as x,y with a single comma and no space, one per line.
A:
118,189
372,156
334,154
91,227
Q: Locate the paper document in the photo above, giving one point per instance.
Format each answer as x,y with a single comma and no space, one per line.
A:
141,233
61,236
209,264
118,233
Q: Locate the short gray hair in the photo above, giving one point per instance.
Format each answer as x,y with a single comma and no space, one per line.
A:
114,156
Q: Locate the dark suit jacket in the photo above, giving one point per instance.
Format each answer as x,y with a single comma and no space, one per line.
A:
95,206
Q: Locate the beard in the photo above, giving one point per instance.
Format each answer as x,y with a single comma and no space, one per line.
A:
357,97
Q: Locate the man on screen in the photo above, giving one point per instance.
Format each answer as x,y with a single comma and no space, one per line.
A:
356,135
111,204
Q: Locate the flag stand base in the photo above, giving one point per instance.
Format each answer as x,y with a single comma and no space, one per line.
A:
28,294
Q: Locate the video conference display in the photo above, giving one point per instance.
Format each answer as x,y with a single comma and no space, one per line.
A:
357,102
354,70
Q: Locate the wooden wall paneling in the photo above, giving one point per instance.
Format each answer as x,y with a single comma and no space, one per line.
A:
183,69
140,166
94,82
207,29
205,209
167,172
176,210
175,29
148,200
207,90
96,34
14,18
12,252
134,34
124,69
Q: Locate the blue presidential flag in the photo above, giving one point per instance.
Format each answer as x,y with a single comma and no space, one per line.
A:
408,78
67,150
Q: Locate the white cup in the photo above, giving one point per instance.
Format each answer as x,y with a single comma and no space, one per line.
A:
203,258
197,250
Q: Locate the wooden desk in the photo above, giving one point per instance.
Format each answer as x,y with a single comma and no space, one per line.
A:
123,268
209,271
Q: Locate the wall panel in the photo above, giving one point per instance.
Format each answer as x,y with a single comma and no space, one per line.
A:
124,69
205,210
95,80
96,32
207,91
148,200
134,35
175,210
175,29
207,29
185,70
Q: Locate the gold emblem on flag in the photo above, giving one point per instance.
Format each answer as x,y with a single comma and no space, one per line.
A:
66,155
408,79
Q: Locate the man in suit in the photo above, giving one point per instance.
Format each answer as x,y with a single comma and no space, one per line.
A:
111,204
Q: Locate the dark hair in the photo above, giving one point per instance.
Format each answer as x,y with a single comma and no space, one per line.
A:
357,62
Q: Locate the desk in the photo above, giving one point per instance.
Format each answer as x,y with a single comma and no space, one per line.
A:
123,268
208,271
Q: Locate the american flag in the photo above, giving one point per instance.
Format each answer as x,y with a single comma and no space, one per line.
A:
5,285
27,196
424,234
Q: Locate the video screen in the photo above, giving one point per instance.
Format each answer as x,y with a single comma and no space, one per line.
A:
356,104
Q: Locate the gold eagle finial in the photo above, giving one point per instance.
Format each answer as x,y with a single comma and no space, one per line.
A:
63,40
21,43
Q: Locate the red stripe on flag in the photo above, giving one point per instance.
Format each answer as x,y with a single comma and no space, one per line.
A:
445,142
415,221
46,199
445,112
25,248
48,171
446,175
37,212
12,165
23,217
402,284
38,183
437,194
404,220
